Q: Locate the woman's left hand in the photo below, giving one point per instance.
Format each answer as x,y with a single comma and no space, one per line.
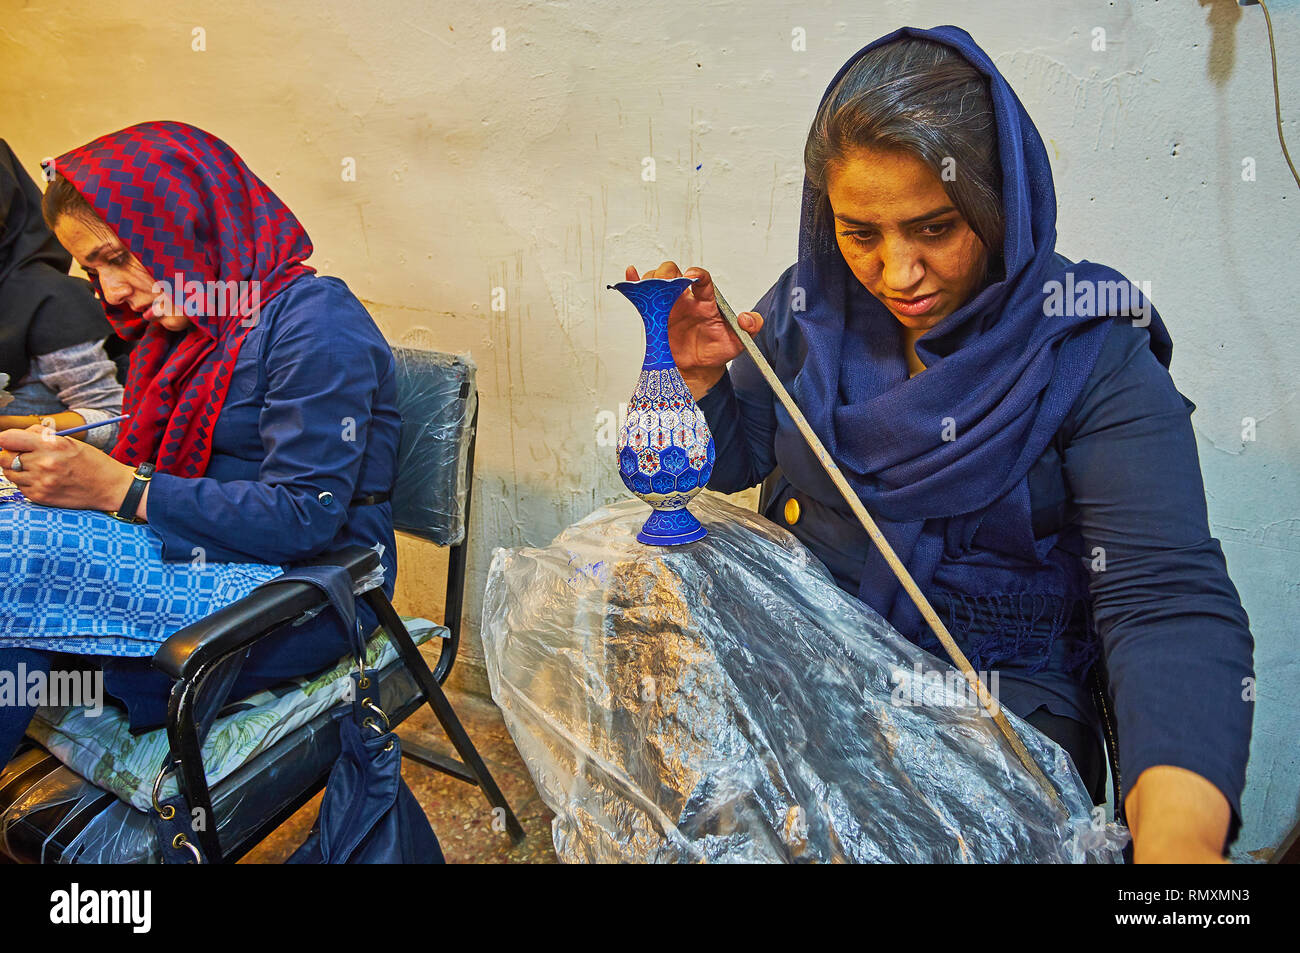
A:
1176,817
60,471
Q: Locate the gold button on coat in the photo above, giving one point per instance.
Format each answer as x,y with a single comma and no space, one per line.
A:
791,511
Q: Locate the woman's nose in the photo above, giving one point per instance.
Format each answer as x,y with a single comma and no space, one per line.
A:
115,290
901,268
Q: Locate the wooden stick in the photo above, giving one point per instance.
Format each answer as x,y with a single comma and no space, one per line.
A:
860,511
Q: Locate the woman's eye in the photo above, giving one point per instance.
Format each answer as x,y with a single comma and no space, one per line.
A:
119,261
936,229
860,237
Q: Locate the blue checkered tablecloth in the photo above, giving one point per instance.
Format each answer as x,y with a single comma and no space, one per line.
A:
80,581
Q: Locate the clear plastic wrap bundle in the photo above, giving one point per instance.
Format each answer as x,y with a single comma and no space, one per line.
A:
725,701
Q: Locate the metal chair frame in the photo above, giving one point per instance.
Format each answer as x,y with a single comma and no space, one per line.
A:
191,655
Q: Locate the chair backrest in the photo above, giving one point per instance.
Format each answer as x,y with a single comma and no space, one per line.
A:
437,398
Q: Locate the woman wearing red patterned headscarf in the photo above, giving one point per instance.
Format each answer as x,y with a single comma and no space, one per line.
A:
263,424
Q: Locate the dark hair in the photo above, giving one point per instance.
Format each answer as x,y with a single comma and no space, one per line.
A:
62,198
924,98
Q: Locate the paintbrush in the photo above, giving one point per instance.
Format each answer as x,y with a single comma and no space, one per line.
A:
84,427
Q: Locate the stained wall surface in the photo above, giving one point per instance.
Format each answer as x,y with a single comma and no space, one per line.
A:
501,181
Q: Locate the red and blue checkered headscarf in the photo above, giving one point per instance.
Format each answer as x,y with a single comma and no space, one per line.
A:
185,204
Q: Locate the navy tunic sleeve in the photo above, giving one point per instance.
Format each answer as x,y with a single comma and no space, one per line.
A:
1176,639
740,463
741,412
322,364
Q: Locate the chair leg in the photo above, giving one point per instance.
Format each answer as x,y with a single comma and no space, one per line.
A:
434,695
187,755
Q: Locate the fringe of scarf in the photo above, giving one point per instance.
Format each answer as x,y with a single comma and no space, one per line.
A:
1013,621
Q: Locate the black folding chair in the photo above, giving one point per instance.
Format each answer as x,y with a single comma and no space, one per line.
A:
431,500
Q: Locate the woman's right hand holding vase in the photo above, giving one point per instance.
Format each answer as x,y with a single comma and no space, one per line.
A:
701,341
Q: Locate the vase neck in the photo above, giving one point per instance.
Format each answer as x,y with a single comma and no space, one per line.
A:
657,352
654,299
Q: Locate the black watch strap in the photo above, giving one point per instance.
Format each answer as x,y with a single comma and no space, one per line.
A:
126,512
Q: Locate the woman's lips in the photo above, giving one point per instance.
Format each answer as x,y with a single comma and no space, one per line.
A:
914,307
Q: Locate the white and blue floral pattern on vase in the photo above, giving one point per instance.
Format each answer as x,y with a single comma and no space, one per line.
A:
665,449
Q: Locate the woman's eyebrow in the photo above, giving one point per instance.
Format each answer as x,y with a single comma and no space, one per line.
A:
935,213
99,250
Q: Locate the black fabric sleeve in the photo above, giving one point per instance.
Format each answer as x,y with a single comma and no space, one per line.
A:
68,314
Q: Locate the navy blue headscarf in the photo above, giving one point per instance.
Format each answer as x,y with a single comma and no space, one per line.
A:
1002,366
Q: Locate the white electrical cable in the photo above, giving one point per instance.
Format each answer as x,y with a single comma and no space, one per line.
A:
1277,98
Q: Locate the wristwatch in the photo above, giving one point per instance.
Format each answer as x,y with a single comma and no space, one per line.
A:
126,512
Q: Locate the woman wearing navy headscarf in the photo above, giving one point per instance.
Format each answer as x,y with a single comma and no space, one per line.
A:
1007,416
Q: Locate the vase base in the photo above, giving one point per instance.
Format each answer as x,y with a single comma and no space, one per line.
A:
671,528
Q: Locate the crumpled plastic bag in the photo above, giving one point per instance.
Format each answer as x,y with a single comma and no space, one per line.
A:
725,701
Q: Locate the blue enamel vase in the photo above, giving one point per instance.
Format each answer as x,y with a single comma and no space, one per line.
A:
665,449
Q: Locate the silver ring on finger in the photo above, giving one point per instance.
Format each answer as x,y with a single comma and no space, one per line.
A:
16,464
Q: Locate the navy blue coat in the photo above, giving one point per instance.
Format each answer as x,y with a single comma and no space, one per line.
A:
1122,474
310,423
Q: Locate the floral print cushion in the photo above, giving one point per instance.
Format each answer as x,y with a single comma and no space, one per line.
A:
102,750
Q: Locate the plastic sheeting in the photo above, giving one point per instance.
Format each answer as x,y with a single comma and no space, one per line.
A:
725,701
437,400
